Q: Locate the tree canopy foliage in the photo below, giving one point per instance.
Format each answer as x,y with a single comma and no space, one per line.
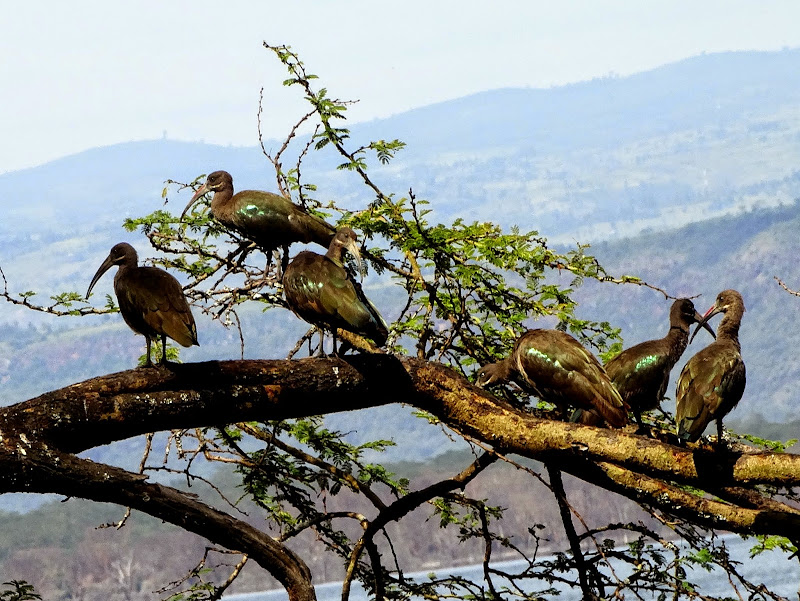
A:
462,294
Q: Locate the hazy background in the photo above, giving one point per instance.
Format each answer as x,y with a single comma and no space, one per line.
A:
88,73
666,134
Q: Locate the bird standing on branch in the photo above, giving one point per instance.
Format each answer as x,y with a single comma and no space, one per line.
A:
151,301
556,368
712,382
320,290
269,220
641,372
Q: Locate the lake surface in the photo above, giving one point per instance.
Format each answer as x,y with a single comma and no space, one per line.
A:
773,568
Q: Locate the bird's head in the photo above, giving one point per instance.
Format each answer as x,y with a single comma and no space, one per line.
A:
215,182
346,240
726,301
683,314
121,254
492,374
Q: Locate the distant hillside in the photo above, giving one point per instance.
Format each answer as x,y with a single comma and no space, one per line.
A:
605,112
711,141
597,160
744,252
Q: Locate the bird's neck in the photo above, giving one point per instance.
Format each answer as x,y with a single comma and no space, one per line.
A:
502,370
124,269
729,327
677,338
335,254
220,198
130,262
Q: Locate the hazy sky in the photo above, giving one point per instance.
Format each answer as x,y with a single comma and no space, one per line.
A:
80,74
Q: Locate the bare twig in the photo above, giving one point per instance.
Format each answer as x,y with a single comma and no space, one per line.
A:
785,287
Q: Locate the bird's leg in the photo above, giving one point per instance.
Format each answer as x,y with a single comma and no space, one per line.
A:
163,349
269,261
284,261
149,363
719,434
638,416
322,342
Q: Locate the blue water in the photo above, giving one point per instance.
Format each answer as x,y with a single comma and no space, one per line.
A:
772,568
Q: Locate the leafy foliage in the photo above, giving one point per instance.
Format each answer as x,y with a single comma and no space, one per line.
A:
19,591
464,293
470,289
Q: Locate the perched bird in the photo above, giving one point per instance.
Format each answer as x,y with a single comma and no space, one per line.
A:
151,300
556,368
320,290
269,220
641,372
712,382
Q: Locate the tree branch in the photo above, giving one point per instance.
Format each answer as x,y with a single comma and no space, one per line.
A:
45,470
143,400
557,486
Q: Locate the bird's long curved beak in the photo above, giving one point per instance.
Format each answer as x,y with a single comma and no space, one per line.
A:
200,191
101,270
352,247
702,322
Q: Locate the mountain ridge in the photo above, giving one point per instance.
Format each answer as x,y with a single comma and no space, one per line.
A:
728,176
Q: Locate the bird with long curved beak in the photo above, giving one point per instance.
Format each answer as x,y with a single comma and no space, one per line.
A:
712,382
320,290
151,301
557,368
269,220
641,373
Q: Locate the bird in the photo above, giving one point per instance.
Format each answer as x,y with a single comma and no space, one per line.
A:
555,367
712,382
269,220
319,290
151,300
641,373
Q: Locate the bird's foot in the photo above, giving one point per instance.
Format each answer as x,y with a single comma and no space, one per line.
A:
721,445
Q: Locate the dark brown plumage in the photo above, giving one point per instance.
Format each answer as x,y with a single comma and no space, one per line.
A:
641,372
712,381
320,290
556,368
151,300
269,220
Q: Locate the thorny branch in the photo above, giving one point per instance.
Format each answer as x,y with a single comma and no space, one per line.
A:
785,287
40,436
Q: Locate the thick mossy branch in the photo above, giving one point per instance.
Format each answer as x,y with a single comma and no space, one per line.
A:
125,404
37,468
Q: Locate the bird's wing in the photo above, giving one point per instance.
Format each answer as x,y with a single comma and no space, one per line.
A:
154,300
554,363
640,374
323,293
272,220
710,385
346,298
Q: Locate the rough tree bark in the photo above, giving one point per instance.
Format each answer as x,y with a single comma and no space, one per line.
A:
41,436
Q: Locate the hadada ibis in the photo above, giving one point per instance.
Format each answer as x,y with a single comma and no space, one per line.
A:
641,372
269,220
713,381
556,368
151,300
319,290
